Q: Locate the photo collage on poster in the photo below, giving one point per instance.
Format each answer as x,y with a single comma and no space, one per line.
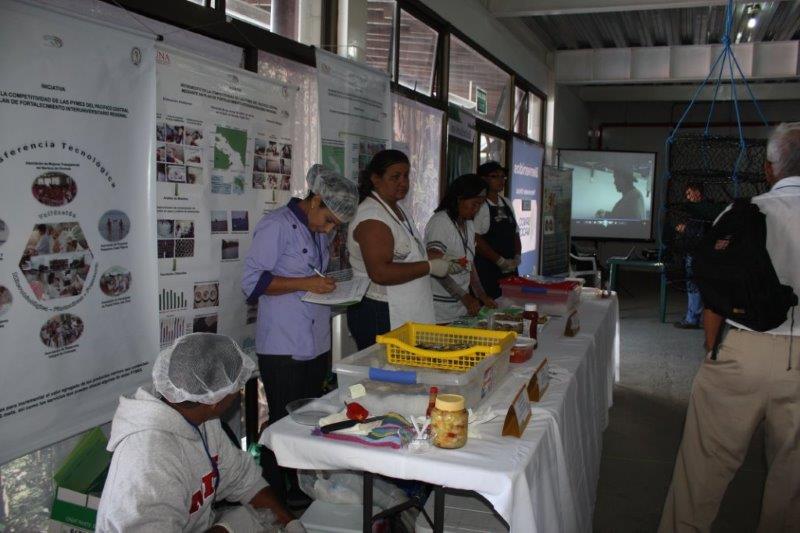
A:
272,165
57,261
179,151
175,238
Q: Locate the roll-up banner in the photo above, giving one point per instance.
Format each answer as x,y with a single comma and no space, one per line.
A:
355,113
525,194
556,218
77,275
223,158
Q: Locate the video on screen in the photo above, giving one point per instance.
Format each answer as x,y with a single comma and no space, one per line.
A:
612,193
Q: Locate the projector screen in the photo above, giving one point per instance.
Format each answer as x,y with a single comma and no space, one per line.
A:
612,193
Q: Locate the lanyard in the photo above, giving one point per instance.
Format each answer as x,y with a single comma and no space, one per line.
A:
405,224
463,237
214,467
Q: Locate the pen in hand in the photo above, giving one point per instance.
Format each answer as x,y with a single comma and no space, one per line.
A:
321,286
316,271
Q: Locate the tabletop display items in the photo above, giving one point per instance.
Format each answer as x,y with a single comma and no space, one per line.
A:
449,421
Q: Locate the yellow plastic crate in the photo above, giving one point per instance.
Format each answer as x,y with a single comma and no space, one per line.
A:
401,345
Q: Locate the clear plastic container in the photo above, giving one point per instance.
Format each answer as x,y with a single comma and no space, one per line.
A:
558,298
449,422
405,389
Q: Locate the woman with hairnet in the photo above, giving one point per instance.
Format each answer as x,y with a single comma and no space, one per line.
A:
288,254
173,461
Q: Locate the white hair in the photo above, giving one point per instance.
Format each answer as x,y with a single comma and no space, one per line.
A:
783,150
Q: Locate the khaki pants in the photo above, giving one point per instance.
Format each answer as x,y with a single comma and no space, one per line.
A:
748,383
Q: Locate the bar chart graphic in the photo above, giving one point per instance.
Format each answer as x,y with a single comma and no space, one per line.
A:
170,300
171,328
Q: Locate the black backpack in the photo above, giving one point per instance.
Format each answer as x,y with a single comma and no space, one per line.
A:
735,274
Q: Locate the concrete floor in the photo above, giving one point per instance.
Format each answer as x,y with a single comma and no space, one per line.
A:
641,441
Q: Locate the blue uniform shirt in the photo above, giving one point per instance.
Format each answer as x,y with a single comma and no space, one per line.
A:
284,246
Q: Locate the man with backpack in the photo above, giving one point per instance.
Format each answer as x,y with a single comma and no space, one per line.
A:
748,270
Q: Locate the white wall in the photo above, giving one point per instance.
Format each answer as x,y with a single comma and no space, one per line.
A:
572,119
477,23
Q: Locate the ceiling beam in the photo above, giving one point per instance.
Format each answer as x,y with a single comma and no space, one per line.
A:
681,93
535,8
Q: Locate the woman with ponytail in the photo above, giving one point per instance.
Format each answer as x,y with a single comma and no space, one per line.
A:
386,247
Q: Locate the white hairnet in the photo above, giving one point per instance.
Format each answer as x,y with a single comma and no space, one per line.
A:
202,368
338,193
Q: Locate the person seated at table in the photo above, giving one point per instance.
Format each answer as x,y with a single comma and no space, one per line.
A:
385,246
172,460
450,235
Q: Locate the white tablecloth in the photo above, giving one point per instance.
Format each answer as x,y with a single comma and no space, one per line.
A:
543,482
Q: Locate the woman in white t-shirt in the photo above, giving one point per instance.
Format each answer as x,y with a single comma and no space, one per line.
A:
385,246
450,235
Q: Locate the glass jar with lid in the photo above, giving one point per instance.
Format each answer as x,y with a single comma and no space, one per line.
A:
449,421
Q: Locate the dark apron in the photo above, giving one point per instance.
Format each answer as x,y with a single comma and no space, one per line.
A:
502,238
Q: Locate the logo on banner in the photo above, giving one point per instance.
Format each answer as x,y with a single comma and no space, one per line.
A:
136,55
53,41
162,57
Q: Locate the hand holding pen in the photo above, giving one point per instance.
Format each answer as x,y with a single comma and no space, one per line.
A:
320,283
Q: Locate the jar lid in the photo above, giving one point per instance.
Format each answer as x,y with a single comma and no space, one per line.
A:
531,307
450,402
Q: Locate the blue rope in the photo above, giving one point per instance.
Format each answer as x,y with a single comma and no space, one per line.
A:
716,91
750,91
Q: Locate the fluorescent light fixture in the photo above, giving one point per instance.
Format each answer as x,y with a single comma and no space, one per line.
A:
751,22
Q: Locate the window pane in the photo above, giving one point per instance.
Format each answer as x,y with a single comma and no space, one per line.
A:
293,19
256,12
535,106
417,54
492,149
418,133
519,111
478,84
380,34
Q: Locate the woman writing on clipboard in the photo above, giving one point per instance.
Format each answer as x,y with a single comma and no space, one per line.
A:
293,337
385,245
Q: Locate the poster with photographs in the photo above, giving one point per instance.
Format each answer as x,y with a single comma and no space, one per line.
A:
556,218
77,280
355,113
223,159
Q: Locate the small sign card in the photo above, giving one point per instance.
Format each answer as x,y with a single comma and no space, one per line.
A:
519,414
573,324
539,382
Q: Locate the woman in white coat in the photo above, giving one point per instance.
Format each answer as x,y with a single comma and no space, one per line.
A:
385,245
